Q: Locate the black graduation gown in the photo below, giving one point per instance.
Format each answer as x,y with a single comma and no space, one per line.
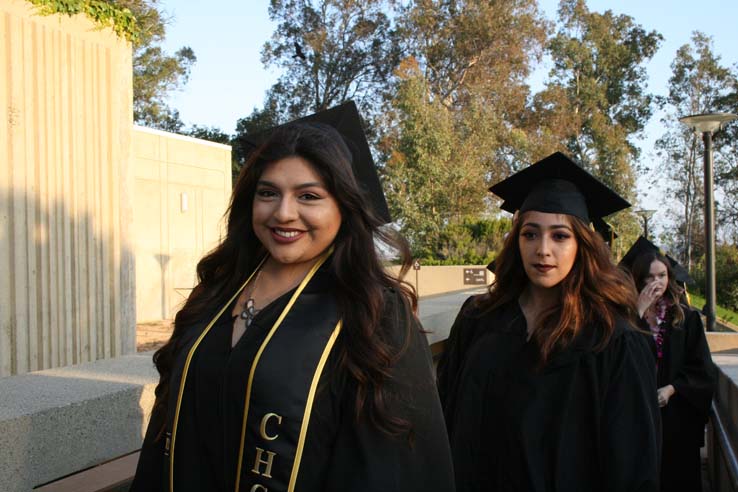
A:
688,366
340,453
588,421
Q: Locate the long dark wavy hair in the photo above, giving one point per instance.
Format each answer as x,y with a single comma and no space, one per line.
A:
641,268
365,349
594,292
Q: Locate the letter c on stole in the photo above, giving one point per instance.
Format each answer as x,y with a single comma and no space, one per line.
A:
262,427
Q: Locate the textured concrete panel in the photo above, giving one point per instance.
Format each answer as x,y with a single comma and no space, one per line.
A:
65,191
59,421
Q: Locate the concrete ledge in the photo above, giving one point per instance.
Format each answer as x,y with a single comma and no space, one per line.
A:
723,325
722,341
442,279
437,313
60,421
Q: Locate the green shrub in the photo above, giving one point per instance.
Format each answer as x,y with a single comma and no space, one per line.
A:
105,14
726,276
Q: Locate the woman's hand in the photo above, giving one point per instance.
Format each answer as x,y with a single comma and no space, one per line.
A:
647,297
664,394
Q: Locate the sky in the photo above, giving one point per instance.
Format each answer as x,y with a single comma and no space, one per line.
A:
229,81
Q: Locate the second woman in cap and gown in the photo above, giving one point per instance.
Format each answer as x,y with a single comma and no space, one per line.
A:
545,383
686,375
296,363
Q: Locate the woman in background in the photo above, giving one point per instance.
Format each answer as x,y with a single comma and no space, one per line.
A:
685,372
545,383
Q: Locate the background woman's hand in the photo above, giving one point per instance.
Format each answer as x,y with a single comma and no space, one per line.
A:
647,297
664,394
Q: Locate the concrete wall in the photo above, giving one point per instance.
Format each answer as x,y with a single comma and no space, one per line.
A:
722,341
434,280
66,257
181,191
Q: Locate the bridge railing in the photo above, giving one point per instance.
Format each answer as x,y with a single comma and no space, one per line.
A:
722,430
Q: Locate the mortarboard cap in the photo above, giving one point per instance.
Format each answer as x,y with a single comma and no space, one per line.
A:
346,120
681,274
640,247
557,184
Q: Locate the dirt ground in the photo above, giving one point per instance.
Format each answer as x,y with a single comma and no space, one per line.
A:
152,335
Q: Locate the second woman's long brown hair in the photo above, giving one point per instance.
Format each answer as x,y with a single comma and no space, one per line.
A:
594,292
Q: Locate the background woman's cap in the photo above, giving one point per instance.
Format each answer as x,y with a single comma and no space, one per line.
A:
681,274
643,246
640,247
347,121
559,185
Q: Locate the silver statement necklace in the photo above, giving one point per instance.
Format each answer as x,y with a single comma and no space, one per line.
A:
249,311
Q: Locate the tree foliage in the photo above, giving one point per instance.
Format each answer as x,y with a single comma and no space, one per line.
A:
726,280
453,122
329,51
155,73
699,83
595,101
428,185
106,14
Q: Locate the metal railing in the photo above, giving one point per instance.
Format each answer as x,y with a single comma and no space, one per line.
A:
727,452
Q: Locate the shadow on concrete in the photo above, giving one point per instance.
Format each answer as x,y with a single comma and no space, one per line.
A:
68,298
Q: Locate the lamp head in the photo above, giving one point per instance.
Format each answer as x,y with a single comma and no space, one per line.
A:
707,122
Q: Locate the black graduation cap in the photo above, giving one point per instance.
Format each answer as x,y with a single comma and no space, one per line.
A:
681,274
557,184
640,247
346,120
605,230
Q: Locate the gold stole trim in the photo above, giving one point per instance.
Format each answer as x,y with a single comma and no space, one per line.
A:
269,336
309,405
187,367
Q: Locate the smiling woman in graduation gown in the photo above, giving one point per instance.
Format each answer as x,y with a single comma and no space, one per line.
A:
686,375
338,454
329,386
526,412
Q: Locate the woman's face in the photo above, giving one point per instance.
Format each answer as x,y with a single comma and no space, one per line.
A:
658,275
548,247
294,215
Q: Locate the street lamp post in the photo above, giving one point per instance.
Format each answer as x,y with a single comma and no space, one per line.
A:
645,215
707,124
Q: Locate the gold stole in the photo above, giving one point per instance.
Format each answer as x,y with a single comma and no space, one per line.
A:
277,429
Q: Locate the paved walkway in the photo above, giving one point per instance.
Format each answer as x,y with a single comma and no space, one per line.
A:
152,335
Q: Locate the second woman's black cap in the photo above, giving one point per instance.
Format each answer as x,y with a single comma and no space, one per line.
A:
640,247
643,246
557,184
